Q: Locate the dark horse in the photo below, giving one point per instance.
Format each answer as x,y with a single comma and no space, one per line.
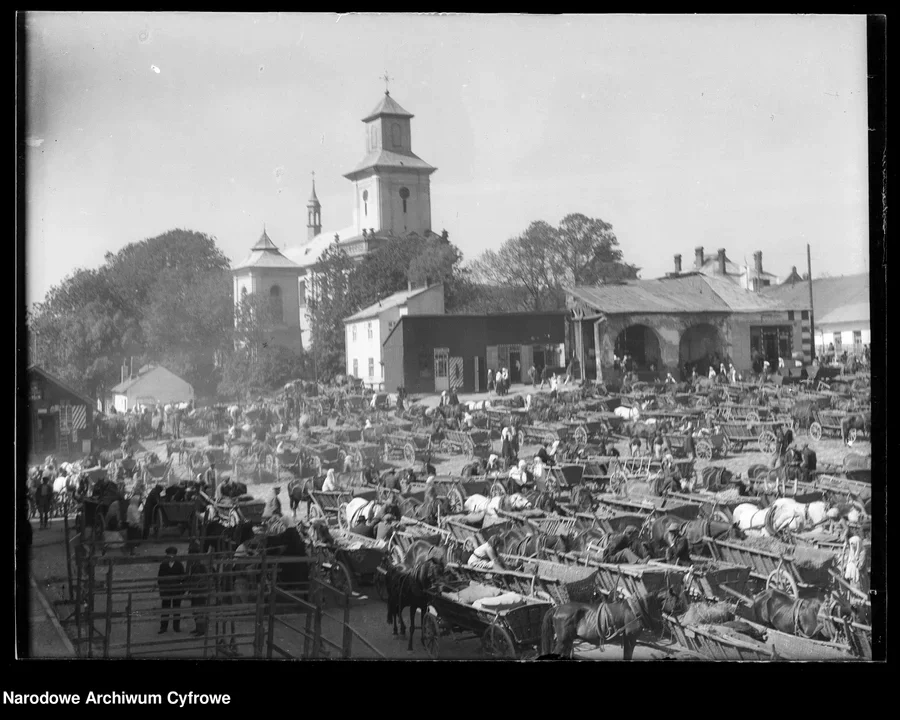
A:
598,624
409,587
790,615
693,530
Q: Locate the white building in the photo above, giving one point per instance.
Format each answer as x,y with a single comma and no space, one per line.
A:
367,329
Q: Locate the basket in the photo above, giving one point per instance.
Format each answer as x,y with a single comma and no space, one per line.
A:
577,583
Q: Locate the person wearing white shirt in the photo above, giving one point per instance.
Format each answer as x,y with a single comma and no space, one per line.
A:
330,484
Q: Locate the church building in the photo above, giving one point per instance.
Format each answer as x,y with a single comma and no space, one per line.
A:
391,198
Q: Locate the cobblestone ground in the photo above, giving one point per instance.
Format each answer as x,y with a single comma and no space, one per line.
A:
368,614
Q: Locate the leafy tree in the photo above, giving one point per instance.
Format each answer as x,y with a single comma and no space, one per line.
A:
589,253
331,302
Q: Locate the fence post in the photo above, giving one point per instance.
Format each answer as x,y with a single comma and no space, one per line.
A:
68,549
90,608
270,637
258,616
317,632
108,626
128,628
348,636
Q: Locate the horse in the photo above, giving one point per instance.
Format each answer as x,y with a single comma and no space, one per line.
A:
783,514
802,617
860,421
600,623
694,531
410,588
432,511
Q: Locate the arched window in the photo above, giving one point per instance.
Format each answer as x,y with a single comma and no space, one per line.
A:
275,304
395,135
365,197
404,195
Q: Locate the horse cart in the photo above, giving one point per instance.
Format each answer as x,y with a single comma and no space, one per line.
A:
352,561
742,434
361,454
408,446
182,515
828,422
328,505
585,427
790,569
509,627
469,537
546,433
323,456
472,443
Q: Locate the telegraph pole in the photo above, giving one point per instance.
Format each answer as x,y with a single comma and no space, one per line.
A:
812,324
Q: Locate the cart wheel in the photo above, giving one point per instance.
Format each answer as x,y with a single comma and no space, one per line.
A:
520,436
339,578
496,644
768,444
815,430
470,449
343,523
456,500
780,579
381,586
852,434
497,489
618,482
431,635
704,450
753,417
581,435
409,453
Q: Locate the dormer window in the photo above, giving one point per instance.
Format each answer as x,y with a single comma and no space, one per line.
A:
404,196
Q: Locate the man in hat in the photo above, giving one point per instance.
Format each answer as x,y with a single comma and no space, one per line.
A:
678,551
170,580
807,463
547,456
625,547
223,489
273,505
670,477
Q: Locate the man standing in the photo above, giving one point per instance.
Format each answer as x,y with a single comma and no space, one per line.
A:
176,423
532,373
170,579
210,477
545,376
570,368
807,463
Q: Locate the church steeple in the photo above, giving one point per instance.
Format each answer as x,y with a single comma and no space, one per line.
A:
313,212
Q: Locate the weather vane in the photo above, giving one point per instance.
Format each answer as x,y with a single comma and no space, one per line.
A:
386,79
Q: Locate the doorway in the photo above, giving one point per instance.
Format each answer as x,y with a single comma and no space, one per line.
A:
48,425
441,369
515,366
540,360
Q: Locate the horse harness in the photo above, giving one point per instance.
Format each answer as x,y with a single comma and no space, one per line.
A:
605,620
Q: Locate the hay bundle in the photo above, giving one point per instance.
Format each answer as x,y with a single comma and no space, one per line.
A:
703,614
730,495
769,544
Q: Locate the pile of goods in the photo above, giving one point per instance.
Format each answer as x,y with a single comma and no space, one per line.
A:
485,597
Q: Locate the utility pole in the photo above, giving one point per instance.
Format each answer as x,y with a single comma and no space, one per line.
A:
812,324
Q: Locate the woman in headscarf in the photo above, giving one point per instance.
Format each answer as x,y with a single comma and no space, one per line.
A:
330,484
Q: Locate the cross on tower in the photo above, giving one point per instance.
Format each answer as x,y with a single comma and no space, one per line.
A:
386,79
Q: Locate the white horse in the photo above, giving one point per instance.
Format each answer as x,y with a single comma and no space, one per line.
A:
783,514
628,413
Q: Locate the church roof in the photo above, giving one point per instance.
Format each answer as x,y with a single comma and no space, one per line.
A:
387,106
265,254
389,159
308,253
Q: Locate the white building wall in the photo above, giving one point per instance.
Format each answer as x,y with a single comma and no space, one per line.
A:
364,348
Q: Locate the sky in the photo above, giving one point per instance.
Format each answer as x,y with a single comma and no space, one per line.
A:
739,132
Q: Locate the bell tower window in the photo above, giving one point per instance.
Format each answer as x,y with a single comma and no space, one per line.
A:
395,135
365,197
404,195
275,304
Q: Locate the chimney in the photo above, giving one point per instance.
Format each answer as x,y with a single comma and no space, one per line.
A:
721,261
409,286
678,263
698,257
757,258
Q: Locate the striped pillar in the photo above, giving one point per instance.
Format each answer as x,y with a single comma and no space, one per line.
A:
807,339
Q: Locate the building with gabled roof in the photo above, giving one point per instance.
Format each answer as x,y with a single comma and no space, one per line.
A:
840,310
60,417
680,323
152,385
367,329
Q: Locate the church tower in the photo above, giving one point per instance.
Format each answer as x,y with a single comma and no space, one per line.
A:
391,185
313,213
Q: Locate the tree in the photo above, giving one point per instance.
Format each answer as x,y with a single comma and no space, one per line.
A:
529,271
588,251
330,303
530,261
